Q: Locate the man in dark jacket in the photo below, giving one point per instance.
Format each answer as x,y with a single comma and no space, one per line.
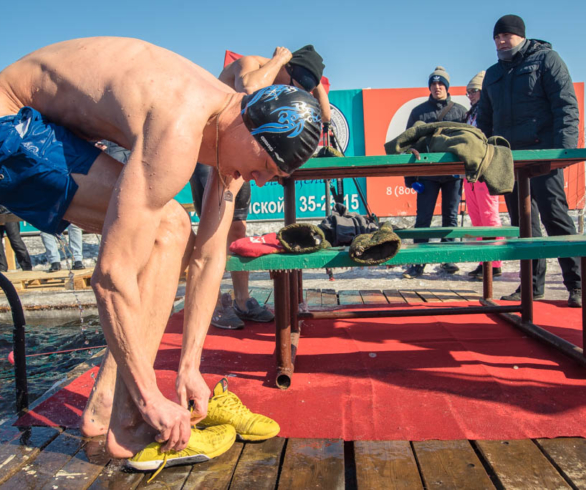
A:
439,107
528,97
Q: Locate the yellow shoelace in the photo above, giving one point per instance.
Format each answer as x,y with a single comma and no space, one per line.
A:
165,454
159,469
234,405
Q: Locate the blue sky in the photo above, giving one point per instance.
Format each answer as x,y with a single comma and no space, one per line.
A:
377,44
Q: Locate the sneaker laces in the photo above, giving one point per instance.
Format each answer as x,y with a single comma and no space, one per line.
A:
159,469
234,405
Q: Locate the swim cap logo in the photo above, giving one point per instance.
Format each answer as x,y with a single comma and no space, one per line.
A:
290,120
270,93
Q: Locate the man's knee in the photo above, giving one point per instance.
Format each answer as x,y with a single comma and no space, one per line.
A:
237,231
175,226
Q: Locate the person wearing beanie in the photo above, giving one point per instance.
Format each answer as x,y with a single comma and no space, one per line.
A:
528,98
483,208
304,69
439,107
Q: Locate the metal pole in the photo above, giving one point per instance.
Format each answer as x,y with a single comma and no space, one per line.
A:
524,191
19,343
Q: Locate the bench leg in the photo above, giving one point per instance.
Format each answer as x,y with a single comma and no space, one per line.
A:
583,278
524,191
283,329
487,280
294,299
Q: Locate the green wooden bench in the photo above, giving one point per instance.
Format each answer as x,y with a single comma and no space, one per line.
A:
460,232
284,268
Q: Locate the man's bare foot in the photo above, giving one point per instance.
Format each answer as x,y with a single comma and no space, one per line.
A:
95,418
125,443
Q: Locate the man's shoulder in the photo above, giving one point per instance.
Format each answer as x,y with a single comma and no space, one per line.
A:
460,107
422,107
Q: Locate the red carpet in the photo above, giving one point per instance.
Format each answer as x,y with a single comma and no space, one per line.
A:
459,377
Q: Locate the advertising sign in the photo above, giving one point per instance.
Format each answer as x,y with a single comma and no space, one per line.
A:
385,116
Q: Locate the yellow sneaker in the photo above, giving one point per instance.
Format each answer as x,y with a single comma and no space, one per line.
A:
226,408
203,445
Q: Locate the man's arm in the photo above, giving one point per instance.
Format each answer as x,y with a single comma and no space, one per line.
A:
250,76
484,117
559,90
206,268
130,233
321,95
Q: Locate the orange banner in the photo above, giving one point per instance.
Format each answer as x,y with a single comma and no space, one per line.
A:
386,112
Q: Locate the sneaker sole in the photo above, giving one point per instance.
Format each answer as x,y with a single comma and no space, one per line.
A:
248,437
252,437
227,327
252,319
196,458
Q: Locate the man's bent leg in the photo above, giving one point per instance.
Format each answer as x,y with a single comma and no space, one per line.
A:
239,279
157,283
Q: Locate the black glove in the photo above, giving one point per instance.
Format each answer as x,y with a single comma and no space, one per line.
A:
326,128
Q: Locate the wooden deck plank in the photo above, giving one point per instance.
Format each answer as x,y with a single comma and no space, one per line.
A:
372,297
450,464
313,297
83,468
428,296
568,456
394,296
520,464
411,297
350,298
313,463
53,457
446,295
115,477
329,297
172,478
382,465
258,466
23,449
215,474
467,295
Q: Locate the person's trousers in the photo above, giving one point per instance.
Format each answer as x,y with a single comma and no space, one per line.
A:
75,247
548,200
12,231
451,193
483,208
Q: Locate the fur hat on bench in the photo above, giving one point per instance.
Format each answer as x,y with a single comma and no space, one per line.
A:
302,238
375,248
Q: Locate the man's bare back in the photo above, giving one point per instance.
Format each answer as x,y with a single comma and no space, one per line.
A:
113,91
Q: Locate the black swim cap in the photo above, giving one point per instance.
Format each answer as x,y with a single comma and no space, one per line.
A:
286,121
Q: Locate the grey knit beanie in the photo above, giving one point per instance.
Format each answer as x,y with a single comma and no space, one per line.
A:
476,82
439,75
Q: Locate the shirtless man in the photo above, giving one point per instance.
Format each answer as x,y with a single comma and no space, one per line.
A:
171,114
303,69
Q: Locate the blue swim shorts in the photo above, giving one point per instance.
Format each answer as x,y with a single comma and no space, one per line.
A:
37,159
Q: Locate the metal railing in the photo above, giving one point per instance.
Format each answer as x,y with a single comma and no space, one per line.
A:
20,378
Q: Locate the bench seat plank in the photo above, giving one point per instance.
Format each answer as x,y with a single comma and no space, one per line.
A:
460,232
425,253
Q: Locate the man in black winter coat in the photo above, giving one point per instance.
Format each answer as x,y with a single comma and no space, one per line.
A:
439,107
528,97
